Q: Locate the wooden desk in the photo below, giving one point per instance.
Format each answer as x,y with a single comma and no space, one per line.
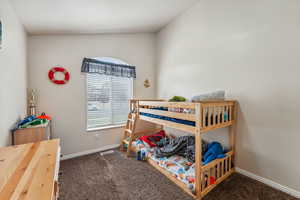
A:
29,171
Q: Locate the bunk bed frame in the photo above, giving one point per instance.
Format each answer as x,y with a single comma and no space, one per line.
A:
207,116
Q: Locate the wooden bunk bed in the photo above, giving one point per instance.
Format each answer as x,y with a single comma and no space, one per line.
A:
196,118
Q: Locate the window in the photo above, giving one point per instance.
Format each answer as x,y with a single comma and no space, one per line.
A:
107,98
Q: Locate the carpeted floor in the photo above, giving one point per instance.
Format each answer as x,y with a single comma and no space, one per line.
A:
115,177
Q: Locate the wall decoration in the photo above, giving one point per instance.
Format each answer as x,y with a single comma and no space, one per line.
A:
147,83
1,34
32,101
54,70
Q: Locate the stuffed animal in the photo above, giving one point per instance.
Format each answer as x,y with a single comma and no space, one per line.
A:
214,151
177,99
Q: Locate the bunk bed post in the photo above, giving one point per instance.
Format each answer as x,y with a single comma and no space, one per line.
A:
198,151
130,105
232,132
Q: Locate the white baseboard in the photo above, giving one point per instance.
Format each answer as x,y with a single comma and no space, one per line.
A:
269,182
74,155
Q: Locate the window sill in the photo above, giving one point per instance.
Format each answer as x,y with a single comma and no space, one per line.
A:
105,127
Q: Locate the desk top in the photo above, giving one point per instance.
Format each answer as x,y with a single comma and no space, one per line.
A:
27,171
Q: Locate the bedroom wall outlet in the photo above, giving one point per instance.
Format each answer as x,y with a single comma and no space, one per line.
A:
97,136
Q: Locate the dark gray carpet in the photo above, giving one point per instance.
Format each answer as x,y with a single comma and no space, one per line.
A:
115,177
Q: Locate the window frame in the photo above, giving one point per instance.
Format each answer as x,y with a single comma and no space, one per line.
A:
110,126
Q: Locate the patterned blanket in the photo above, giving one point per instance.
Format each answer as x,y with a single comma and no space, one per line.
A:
177,165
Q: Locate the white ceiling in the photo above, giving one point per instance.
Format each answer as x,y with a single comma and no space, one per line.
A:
97,16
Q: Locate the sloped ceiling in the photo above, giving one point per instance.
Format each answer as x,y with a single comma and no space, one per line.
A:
97,16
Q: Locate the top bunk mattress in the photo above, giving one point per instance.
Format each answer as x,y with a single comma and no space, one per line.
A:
180,121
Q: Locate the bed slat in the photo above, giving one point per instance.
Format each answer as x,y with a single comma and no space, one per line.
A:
190,117
183,127
168,104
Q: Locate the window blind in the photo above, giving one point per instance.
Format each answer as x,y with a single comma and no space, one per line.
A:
107,100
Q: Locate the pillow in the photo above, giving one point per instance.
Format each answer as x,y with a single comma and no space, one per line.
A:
217,95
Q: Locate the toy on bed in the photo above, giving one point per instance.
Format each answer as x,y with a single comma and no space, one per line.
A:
214,151
153,139
145,143
177,99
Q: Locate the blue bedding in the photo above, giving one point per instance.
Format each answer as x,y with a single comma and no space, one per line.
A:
180,121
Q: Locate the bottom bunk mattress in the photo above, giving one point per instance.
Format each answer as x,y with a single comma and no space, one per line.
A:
178,166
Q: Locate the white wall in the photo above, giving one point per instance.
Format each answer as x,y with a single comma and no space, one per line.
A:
13,72
67,103
252,50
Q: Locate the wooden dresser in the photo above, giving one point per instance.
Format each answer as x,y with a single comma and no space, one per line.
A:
32,134
30,171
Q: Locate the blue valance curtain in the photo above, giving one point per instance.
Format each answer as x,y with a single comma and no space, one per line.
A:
95,66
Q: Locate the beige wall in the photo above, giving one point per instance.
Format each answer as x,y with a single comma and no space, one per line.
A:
67,103
251,49
13,72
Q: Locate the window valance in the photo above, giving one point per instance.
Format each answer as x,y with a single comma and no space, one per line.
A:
95,66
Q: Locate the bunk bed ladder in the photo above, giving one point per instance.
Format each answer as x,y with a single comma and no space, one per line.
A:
129,131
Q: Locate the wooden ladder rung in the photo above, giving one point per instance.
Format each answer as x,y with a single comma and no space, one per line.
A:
128,131
126,141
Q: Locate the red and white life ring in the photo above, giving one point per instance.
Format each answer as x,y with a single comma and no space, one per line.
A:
59,69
